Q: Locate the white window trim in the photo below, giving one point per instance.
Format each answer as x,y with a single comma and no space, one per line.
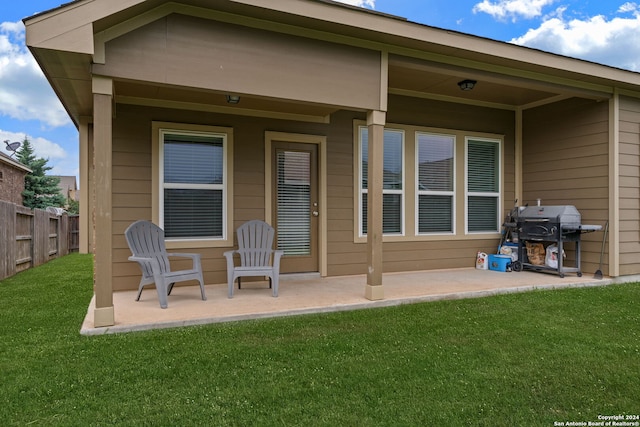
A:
362,191
410,206
436,193
158,185
497,195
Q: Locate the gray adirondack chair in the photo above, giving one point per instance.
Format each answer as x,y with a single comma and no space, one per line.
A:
257,256
146,241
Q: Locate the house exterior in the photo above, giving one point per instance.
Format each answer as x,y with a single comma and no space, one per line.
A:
12,174
344,128
68,187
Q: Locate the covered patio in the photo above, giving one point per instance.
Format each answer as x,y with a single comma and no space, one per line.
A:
380,144
307,294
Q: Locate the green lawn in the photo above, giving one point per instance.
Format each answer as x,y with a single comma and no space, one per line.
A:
526,359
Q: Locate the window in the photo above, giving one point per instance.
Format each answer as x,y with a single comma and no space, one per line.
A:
437,183
483,185
393,181
435,171
193,181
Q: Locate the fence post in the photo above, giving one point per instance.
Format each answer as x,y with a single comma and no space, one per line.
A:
7,239
63,235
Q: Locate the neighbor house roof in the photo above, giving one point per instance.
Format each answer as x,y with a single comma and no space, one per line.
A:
68,182
14,163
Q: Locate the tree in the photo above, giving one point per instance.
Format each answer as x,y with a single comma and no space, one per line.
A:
73,206
40,190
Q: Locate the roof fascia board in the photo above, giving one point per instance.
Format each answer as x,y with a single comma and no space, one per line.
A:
78,40
66,28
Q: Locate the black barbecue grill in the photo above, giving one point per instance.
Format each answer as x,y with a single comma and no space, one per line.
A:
550,224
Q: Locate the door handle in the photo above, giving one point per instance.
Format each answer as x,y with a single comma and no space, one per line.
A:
315,213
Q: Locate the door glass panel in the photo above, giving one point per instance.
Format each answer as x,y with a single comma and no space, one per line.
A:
294,202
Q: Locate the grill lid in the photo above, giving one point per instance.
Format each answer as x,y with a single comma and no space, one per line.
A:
567,216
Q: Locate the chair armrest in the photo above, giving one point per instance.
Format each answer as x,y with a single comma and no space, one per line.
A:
144,261
140,259
195,258
229,256
183,255
277,254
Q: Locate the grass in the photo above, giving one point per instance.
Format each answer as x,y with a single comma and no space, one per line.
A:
528,359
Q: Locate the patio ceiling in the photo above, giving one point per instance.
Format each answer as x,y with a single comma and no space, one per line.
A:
407,76
140,93
508,90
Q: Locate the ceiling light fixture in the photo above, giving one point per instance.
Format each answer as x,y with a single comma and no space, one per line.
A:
467,84
233,99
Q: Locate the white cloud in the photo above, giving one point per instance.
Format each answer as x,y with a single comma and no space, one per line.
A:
25,94
611,42
360,3
503,9
42,147
629,7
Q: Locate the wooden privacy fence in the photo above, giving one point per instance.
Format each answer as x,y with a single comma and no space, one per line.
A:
29,238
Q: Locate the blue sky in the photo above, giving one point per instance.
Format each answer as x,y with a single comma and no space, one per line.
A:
603,31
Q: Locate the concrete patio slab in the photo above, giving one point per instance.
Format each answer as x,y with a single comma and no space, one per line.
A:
304,294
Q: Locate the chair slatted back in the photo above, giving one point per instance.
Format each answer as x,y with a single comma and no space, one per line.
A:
255,243
145,239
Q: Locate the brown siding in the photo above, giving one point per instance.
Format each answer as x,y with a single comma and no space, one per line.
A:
132,183
196,52
450,253
132,177
629,185
565,162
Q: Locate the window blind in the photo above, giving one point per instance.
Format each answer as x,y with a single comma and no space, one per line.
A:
435,214
193,159
435,182
483,167
391,213
294,202
193,180
192,213
483,174
393,180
